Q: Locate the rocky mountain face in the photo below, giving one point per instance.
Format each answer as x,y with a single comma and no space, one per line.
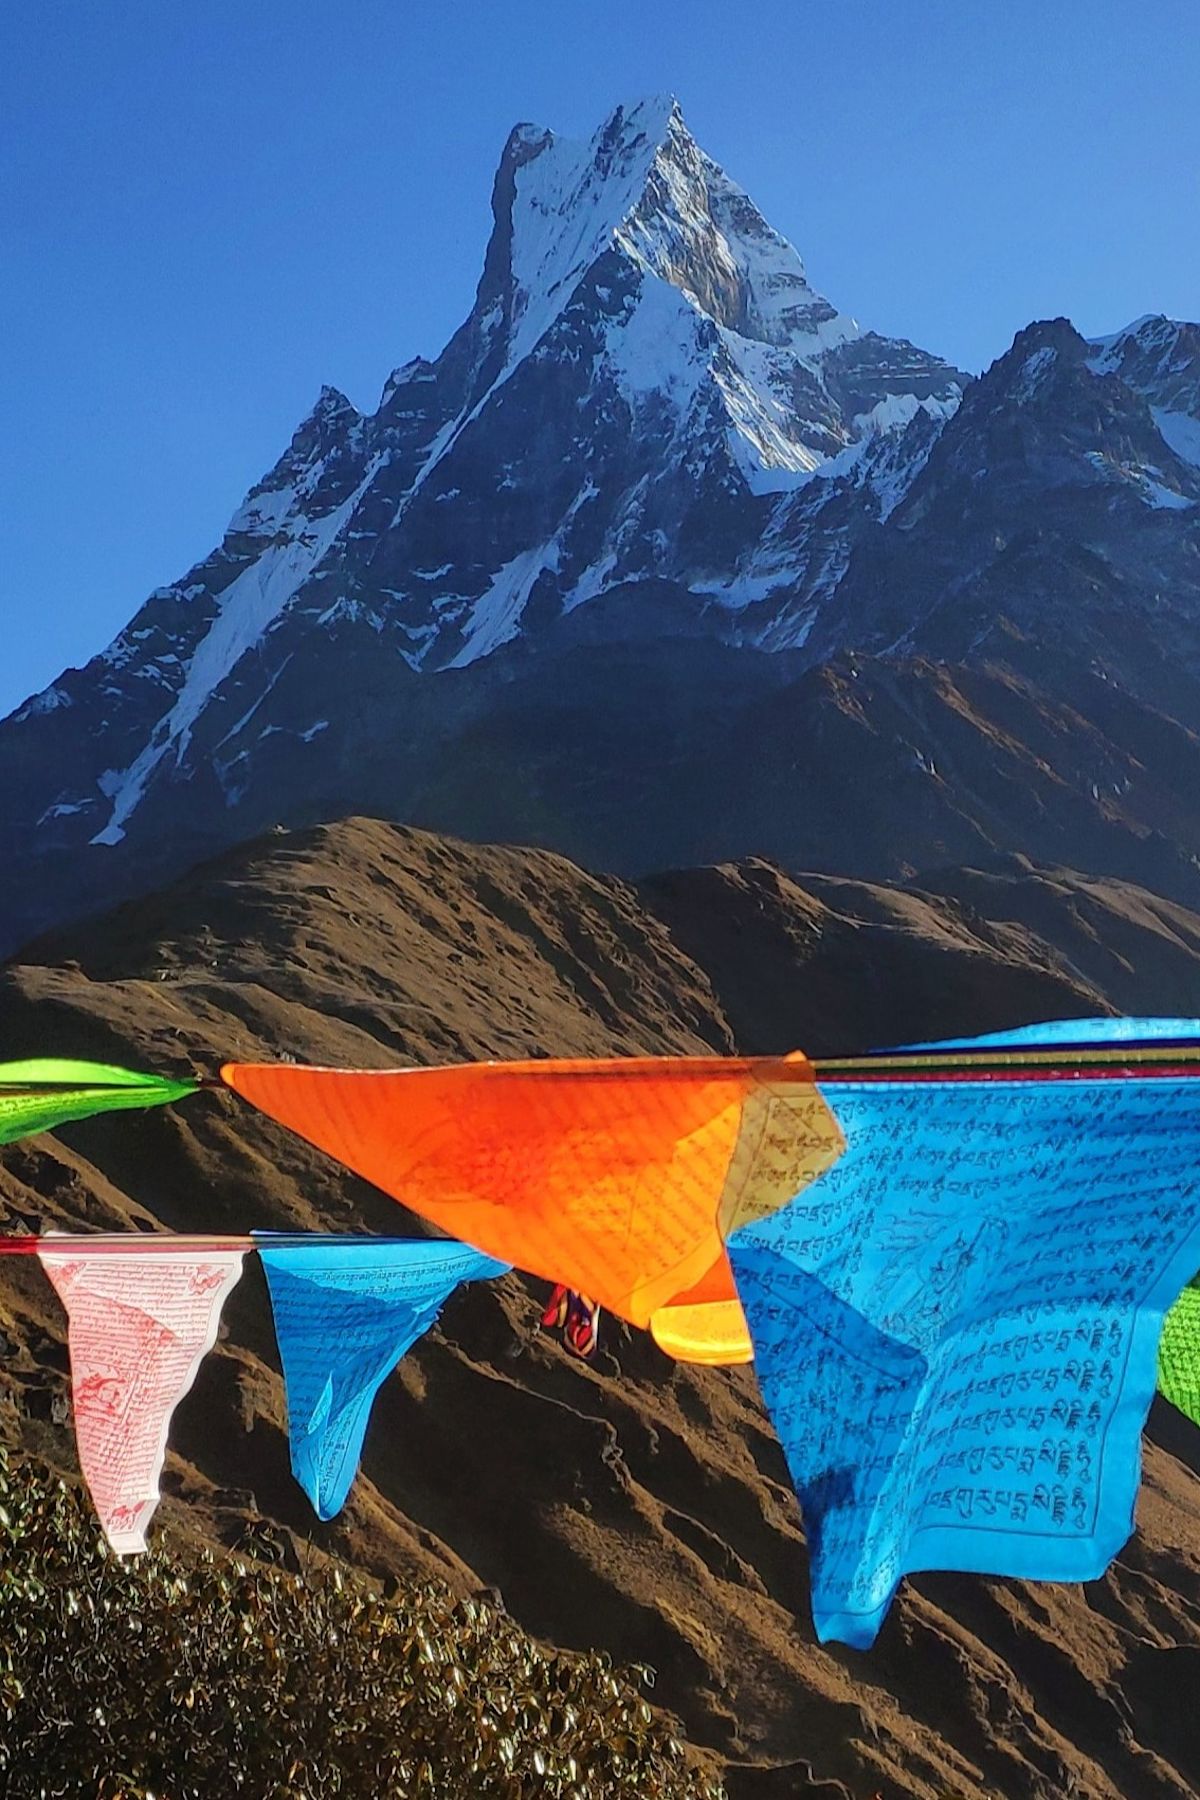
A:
665,559
632,1505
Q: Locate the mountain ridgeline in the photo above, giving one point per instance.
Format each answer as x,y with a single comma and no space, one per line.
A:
665,560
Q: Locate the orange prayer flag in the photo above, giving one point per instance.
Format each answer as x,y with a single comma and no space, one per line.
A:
619,1178
706,1324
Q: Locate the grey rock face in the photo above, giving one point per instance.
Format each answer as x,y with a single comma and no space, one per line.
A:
603,574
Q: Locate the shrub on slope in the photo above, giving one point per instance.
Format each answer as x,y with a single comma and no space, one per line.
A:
181,1677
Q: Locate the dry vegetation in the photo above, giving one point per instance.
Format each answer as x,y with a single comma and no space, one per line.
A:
183,1676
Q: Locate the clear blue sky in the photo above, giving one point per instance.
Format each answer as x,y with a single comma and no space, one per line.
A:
210,207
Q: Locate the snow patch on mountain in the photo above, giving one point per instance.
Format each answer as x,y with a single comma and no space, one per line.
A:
596,579
570,200
263,512
495,618
656,350
897,411
744,589
753,382
65,809
1162,498
1180,432
247,609
664,348
1153,333
496,615
1034,371
49,700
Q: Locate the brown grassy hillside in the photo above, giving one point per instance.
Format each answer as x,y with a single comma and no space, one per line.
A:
634,1505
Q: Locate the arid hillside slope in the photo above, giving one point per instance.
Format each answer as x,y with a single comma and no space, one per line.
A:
632,1505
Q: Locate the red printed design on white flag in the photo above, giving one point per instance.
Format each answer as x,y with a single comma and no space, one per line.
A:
140,1324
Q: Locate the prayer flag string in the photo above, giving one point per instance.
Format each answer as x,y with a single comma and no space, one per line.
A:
950,1262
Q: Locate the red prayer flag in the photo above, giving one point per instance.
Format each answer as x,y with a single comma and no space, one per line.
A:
140,1323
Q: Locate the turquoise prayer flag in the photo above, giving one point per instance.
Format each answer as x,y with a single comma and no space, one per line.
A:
345,1311
956,1326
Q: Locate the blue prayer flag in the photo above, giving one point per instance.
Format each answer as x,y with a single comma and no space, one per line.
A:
956,1326
346,1310
1107,1031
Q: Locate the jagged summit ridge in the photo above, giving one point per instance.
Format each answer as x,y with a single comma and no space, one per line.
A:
643,185
1160,359
697,301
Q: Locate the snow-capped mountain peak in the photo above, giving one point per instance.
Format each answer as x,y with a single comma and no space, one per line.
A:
643,186
1159,358
643,391
570,201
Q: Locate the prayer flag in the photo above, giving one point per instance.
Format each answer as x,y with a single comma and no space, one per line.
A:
956,1326
705,1324
141,1318
618,1179
39,1094
345,1313
1179,1354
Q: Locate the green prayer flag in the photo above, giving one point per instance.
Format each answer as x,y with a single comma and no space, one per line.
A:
1179,1354
38,1094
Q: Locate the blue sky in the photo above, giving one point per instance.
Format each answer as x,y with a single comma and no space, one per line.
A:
209,209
